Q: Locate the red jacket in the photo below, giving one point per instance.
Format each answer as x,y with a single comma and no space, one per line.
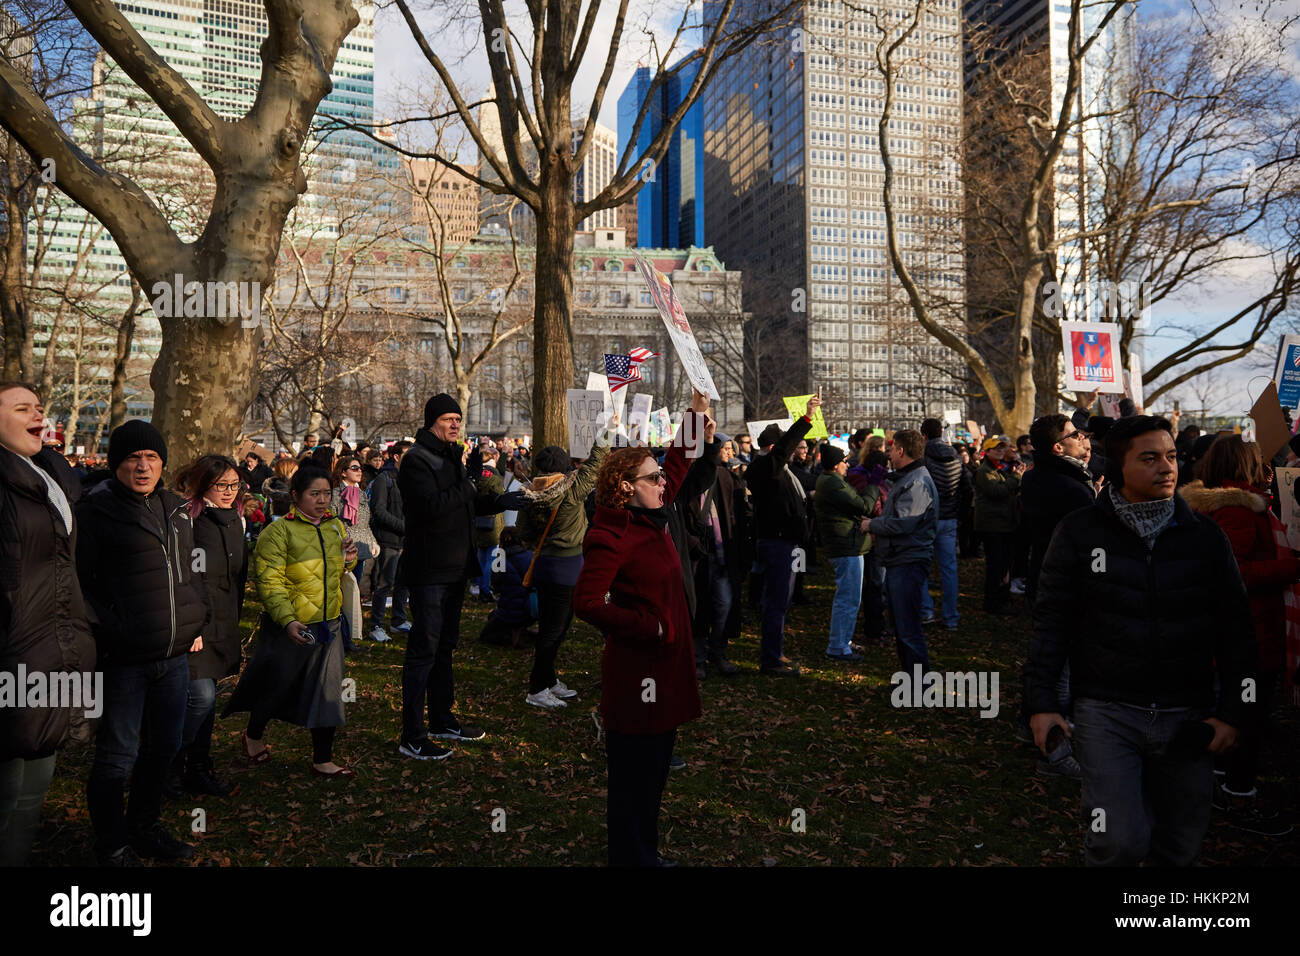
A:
630,586
1242,513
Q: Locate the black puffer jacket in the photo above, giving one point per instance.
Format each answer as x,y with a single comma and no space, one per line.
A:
219,534
779,510
439,503
951,480
143,598
42,617
1049,491
1142,627
387,521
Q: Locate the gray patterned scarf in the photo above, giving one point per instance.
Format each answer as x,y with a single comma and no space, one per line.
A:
1146,519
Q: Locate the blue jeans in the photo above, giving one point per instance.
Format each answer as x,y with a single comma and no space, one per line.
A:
485,570
1157,805
387,564
848,597
144,711
775,557
711,626
945,550
903,586
22,791
200,711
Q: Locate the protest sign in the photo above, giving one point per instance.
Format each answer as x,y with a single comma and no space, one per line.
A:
586,419
1092,356
679,329
1133,382
1287,374
639,417
613,403
661,427
755,429
1109,405
952,416
797,405
1286,482
976,432
1271,432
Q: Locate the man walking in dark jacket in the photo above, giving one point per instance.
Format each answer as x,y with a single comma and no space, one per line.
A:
147,610
1058,484
951,483
388,523
780,527
1142,596
439,502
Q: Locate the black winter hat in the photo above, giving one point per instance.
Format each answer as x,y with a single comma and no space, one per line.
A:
552,460
771,434
441,404
832,455
131,437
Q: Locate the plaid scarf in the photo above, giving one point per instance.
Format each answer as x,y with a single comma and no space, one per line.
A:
1146,519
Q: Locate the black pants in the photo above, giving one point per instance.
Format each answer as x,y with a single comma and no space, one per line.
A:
999,550
426,673
554,615
1241,764
322,739
873,597
638,770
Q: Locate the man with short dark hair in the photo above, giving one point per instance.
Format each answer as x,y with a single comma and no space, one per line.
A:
905,534
1142,597
951,483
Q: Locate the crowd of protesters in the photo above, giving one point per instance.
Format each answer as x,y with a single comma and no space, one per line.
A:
1153,563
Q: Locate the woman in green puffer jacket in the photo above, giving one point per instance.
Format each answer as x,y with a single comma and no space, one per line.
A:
840,513
296,674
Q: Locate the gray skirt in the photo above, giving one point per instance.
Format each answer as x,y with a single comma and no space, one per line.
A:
287,681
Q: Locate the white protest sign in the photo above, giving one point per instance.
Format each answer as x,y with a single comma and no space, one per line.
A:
952,416
640,415
586,419
349,431
1092,357
661,427
599,383
1286,482
679,329
755,429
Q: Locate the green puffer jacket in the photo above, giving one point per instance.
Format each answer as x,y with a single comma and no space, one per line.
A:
487,528
568,493
840,511
996,493
298,567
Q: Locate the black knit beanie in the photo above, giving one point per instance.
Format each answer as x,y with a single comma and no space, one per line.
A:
552,460
441,404
131,437
832,455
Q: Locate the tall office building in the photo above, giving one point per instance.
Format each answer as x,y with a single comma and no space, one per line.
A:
213,45
793,180
670,205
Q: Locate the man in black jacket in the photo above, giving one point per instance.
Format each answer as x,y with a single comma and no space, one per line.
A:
952,482
439,502
780,529
388,522
1058,484
1142,596
147,610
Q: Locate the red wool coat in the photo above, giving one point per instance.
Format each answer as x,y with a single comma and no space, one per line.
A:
1242,514
631,584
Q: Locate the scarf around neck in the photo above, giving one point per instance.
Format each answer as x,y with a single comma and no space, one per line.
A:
656,516
351,497
1146,519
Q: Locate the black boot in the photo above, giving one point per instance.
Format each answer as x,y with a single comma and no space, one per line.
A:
173,788
199,778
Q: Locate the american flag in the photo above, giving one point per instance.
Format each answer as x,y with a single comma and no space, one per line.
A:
622,369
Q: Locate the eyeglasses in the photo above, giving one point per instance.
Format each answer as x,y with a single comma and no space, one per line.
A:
655,476
227,485
352,468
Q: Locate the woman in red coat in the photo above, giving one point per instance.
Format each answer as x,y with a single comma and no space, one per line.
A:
631,588
1233,490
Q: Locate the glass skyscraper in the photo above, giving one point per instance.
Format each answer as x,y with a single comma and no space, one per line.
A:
670,205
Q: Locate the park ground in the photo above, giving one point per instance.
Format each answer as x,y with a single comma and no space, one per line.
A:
878,785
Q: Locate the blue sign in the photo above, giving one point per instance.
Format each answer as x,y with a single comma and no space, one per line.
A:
1288,372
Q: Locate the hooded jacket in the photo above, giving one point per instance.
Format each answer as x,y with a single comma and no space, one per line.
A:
1242,514
1141,626
949,476
144,600
567,493
42,617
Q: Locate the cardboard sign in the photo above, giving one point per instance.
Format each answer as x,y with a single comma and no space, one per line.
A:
1286,482
797,405
1287,374
1270,424
974,429
639,417
756,428
261,451
679,329
1092,356
586,419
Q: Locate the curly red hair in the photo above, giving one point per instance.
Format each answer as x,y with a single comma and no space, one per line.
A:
620,465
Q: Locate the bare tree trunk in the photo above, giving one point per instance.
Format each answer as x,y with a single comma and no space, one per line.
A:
552,317
13,283
121,353
74,410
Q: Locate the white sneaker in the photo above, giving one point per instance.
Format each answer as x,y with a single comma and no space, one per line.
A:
379,635
1018,586
473,590
545,699
562,692
404,627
